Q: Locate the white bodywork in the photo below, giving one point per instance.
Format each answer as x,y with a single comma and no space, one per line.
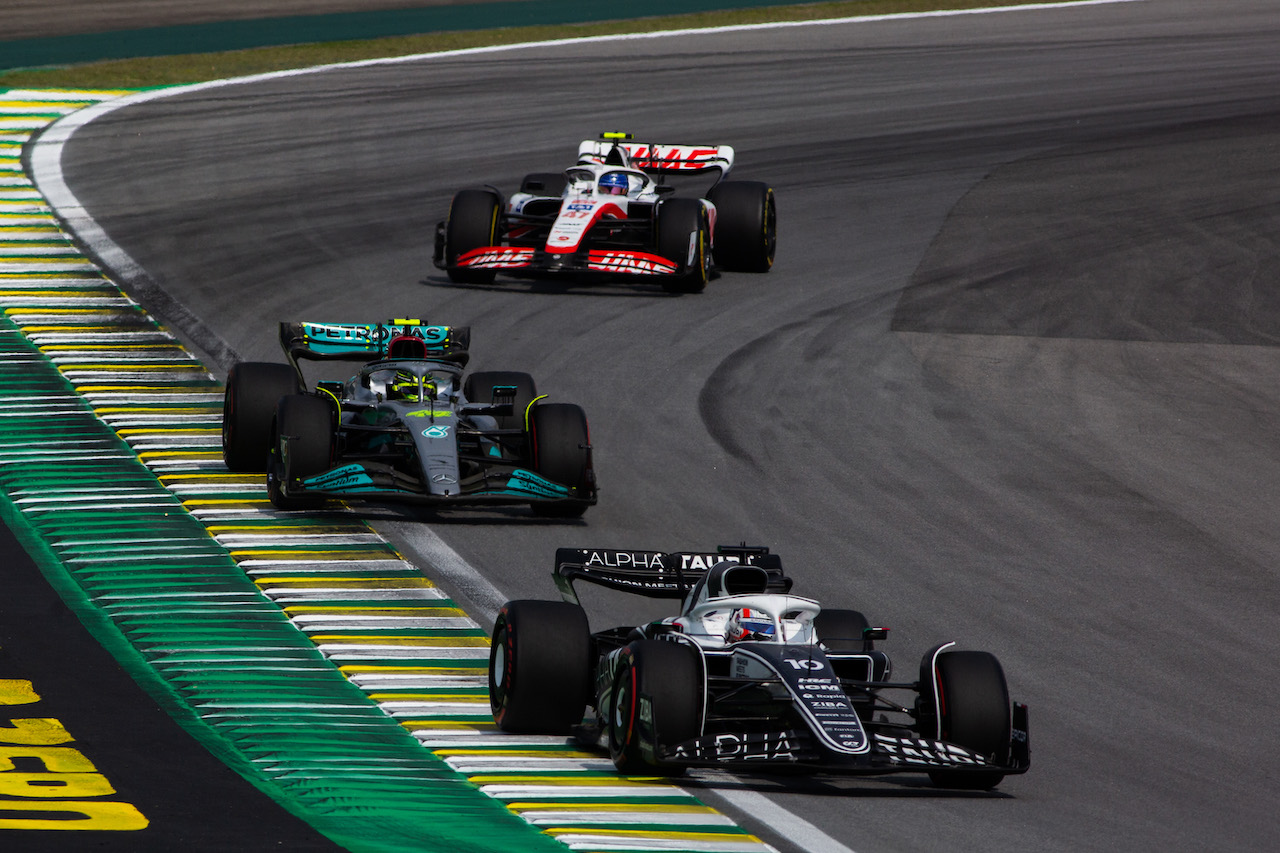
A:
584,205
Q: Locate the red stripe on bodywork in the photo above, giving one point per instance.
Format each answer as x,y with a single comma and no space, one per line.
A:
608,210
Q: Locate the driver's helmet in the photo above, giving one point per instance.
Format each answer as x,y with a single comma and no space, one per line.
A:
404,386
747,624
614,183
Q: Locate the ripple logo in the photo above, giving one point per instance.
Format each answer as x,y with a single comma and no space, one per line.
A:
436,431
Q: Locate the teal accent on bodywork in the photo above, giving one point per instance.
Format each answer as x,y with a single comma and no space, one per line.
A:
354,480
356,340
348,478
524,482
334,338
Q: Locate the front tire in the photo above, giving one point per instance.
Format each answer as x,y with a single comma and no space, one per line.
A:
667,678
684,237
248,407
539,667
302,446
746,235
472,224
973,711
560,444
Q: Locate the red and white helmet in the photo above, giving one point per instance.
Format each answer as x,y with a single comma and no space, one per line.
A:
746,624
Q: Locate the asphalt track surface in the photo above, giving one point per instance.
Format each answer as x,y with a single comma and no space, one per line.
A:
1011,382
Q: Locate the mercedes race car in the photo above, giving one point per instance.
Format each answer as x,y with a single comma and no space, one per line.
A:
406,427
614,214
746,676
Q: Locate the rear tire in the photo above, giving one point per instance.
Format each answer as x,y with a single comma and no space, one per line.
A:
974,712
307,422
684,236
668,678
540,667
472,224
248,407
746,235
560,444
478,388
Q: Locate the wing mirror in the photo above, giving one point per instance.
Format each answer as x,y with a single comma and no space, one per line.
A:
870,635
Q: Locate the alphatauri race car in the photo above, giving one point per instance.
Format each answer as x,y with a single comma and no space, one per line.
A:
406,427
614,214
747,676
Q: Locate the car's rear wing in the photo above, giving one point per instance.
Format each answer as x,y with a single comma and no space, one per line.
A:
658,157
369,341
655,574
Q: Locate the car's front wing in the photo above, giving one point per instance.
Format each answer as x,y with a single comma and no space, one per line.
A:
376,481
519,259
797,748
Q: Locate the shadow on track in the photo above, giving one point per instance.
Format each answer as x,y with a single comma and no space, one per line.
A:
559,286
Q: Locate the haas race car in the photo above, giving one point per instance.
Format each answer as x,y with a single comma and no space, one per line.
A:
406,427
748,676
615,214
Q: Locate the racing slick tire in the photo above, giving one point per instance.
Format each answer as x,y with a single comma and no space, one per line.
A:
545,184
472,223
560,444
684,236
306,423
973,711
841,630
669,676
248,406
478,388
539,667
746,235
